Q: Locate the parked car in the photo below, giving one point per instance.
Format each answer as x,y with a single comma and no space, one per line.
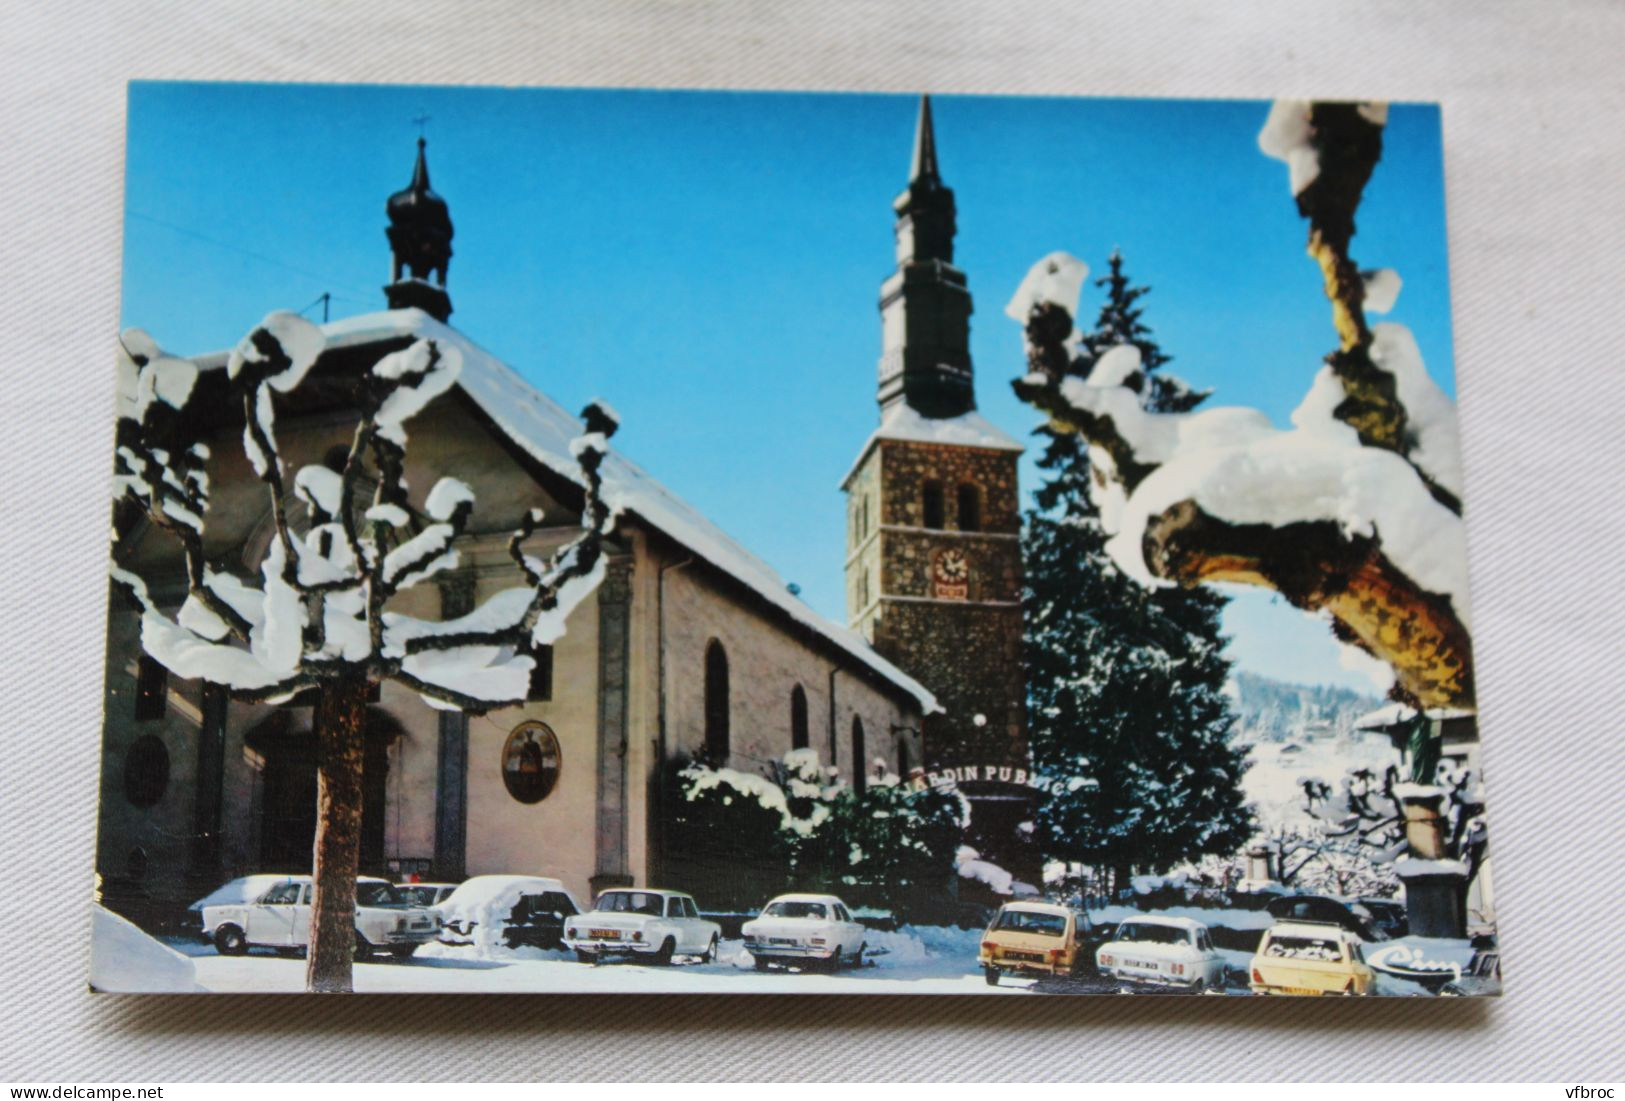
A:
641,922
425,894
1035,938
1483,974
1353,916
506,910
1309,957
273,911
811,930
1388,916
1163,951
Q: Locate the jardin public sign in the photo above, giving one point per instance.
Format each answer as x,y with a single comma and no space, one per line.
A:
953,775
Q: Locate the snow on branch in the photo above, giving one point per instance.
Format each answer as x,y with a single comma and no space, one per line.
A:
1355,509
319,611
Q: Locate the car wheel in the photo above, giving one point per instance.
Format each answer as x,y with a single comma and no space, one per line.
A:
363,947
991,974
230,941
857,958
585,956
833,964
710,953
403,952
1198,987
761,962
668,948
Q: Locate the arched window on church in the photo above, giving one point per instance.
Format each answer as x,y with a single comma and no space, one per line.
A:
860,764
970,507
798,718
716,703
931,501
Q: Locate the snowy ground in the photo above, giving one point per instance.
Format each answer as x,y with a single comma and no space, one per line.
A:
930,961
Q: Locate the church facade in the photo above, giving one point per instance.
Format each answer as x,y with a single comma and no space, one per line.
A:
933,562
691,647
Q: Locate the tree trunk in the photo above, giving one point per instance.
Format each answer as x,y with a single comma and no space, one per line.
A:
341,718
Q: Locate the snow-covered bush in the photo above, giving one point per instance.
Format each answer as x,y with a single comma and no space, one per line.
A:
799,827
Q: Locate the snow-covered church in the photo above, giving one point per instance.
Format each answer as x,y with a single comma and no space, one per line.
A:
691,645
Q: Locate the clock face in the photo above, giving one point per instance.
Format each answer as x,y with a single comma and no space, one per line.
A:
950,575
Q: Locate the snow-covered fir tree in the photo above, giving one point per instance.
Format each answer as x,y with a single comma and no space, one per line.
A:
1127,708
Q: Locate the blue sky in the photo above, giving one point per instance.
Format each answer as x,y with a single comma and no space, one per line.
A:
710,262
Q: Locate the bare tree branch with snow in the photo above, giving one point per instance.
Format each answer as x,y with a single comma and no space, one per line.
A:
319,616
1355,510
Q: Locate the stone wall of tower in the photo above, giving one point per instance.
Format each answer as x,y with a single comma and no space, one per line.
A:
966,650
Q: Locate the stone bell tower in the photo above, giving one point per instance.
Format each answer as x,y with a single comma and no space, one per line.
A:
933,564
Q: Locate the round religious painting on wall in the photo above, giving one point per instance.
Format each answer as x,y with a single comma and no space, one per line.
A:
530,762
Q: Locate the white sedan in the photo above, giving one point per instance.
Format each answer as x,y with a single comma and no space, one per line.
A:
637,922
273,911
1163,951
805,929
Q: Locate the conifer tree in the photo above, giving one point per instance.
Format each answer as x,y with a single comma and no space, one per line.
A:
1126,704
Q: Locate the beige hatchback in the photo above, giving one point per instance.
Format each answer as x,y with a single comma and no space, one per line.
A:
1033,937
1309,957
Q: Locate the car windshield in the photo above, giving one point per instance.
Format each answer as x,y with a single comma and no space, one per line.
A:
369,893
631,902
786,909
417,893
1141,933
1304,948
1031,921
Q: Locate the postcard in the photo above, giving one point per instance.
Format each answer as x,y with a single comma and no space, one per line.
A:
596,541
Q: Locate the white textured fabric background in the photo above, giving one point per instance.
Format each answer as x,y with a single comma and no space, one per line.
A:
1535,148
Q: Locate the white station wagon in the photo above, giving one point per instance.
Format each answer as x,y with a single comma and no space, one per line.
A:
638,922
805,929
273,911
1163,951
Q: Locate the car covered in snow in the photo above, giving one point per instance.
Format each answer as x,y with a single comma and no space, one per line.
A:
805,930
1162,951
273,911
425,894
1309,957
1035,938
508,911
635,921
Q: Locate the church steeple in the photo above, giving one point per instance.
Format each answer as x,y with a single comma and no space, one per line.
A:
925,307
420,245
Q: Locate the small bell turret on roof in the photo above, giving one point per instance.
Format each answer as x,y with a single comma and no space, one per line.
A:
420,245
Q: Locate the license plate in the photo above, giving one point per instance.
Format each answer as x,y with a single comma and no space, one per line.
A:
1301,990
781,940
605,934
1140,965
1029,956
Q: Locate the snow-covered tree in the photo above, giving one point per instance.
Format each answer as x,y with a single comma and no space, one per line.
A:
1355,510
1365,811
319,615
1126,684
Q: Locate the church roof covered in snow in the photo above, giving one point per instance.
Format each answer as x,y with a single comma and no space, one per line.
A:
542,429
